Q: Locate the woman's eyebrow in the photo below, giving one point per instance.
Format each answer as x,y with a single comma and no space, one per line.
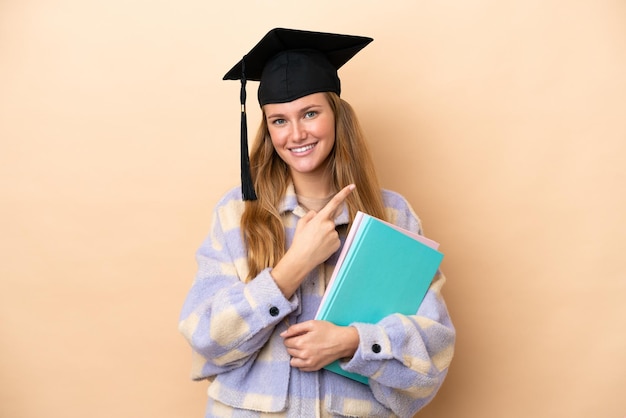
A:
275,115
301,111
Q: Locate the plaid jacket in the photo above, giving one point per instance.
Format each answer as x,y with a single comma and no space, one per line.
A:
233,329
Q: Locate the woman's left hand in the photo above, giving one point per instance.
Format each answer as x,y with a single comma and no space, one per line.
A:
315,344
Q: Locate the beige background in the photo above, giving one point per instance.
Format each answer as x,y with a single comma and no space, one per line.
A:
503,122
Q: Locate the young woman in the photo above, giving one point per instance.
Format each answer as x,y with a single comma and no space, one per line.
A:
265,264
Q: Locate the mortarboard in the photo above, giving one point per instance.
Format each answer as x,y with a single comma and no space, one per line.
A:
290,64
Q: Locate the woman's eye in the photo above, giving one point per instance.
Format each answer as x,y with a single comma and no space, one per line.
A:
310,114
278,122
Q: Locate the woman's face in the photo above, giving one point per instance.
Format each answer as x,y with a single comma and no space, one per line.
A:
302,132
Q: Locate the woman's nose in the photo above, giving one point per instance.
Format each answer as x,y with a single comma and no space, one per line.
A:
299,132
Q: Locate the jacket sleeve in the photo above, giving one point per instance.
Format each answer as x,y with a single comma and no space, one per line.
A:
407,357
225,320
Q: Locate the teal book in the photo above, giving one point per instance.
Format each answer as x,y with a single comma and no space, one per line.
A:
381,270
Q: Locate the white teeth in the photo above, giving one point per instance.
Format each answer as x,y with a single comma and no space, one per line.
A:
303,149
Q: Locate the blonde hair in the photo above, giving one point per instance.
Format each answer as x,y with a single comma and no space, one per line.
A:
350,162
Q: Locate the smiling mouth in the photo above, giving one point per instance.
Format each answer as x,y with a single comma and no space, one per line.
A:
303,149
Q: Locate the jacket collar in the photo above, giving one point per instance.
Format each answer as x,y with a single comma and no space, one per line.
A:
290,204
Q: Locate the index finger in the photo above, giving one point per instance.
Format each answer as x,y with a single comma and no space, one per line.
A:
332,206
296,329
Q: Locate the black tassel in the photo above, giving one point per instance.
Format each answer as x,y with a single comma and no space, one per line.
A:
247,187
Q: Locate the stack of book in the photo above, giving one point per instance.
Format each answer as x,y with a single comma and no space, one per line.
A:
382,269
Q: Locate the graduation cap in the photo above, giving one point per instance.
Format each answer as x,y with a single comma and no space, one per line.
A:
290,64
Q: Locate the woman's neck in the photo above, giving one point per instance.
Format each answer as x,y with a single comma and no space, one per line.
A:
317,186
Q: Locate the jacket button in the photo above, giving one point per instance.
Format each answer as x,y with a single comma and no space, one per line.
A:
376,348
274,311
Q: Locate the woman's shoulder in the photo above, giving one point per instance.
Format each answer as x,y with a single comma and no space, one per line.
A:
399,211
231,195
394,199
230,206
